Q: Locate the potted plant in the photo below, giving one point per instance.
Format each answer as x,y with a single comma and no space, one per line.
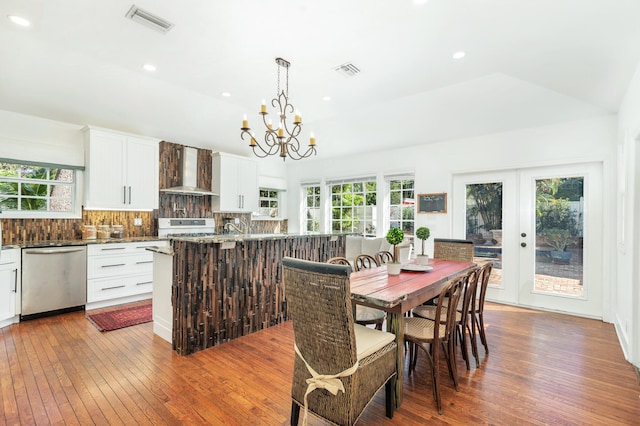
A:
558,240
394,237
423,233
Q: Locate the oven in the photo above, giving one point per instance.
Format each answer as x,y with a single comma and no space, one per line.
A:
168,227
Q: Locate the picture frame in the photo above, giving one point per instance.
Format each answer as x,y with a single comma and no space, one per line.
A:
432,203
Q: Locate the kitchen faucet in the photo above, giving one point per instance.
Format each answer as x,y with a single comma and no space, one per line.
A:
243,228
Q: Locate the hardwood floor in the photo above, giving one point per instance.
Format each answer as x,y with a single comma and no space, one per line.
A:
543,369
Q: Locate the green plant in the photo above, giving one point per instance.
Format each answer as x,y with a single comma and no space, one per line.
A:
423,233
394,237
557,238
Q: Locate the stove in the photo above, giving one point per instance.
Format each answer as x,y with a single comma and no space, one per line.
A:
168,227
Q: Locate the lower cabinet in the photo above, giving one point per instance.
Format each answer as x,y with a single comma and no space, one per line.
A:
9,286
119,273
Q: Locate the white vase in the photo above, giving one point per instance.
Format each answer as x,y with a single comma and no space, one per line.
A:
422,259
394,268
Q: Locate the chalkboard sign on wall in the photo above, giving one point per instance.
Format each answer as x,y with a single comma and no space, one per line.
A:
432,203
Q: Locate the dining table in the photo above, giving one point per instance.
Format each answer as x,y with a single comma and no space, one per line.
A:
398,294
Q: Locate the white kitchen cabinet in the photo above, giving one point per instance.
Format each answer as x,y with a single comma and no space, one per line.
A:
9,286
235,179
121,171
119,273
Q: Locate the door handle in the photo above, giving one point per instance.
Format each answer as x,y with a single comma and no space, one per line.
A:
523,244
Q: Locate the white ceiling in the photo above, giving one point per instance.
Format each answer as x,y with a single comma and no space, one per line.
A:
529,63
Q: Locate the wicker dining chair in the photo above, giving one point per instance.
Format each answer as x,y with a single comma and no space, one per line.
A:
463,315
423,332
447,249
365,261
383,257
364,314
327,342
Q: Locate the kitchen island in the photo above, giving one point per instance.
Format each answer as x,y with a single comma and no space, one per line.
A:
224,287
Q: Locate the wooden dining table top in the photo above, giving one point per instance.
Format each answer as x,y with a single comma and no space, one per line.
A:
401,293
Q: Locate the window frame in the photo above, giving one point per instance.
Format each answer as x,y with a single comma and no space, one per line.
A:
304,220
74,184
389,205
277,200
367,221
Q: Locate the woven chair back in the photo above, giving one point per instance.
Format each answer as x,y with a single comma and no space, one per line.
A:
461,250
318,299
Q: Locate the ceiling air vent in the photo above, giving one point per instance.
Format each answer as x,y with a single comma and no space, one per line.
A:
347,70
147,19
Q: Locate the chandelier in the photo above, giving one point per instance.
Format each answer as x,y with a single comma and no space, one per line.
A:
282,140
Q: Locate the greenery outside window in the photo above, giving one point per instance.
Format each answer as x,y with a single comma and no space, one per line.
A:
269,200
31,189
402,204
312,208
353,206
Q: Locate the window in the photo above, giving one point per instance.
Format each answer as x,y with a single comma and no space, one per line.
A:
402,204
38,189
353,206
268,201
312,208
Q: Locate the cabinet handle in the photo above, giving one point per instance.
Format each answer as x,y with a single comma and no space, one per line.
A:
144,283
110,266
129,195
242,201
239,205
124,194
112,288
146,261
15,280
112,248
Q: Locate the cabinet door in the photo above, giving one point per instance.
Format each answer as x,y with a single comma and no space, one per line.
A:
141,174
8,283
225,183
248,185
105,186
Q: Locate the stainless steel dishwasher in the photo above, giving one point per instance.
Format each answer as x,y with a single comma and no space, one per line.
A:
53,279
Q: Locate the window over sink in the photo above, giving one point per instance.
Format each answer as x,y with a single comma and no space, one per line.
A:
33,190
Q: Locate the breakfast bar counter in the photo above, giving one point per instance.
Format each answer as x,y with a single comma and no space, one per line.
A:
227,286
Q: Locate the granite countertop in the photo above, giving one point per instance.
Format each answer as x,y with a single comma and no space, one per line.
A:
244,237
60,243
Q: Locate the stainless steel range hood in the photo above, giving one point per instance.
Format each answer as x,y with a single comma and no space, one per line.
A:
189,175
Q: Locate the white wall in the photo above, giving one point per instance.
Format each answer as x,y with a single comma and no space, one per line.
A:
627,290
24,137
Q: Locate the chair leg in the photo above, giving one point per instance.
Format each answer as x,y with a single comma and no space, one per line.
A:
390,396
483,337
474,341
463,343
295,413
436,372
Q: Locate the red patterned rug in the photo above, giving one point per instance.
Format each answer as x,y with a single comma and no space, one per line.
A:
120,318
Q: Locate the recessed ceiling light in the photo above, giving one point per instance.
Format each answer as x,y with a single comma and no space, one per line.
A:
225,94
149,67
459,55
19,21
326,98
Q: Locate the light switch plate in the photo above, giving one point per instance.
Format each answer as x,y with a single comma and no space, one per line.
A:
137,221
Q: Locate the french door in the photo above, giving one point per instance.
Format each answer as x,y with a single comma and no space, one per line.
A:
541,227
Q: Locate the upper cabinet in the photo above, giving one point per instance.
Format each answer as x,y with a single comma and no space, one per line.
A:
122,171
236,180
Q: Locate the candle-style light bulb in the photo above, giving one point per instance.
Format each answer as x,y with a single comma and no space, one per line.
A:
280,130
298,118
253,140
263,107
245,122
312,140
270,125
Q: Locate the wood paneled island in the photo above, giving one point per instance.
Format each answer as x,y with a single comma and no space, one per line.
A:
224,287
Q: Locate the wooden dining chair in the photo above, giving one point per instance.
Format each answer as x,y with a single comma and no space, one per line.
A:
463,315
432,336
477,307
383,257
331,350
365,261
364,314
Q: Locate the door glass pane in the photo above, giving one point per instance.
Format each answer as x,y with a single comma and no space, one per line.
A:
559,236
484,225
